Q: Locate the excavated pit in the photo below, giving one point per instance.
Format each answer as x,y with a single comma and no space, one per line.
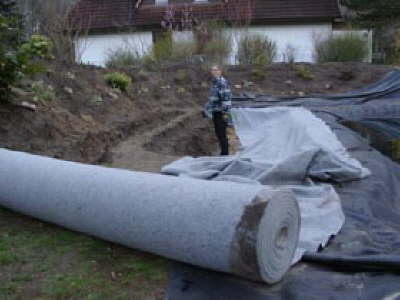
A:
192,136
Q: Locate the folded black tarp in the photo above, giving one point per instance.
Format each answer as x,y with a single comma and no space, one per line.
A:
363,260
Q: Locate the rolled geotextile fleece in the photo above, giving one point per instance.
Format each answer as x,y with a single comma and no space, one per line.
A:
251,231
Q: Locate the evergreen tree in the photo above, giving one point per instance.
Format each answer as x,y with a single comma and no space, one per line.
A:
8,7
11,36
383,16
374,13
16,54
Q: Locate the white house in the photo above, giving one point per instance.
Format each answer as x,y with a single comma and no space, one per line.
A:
134,24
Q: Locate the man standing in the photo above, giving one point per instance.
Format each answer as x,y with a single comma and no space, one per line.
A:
218,105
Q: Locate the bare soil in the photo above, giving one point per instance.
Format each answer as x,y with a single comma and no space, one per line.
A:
158,119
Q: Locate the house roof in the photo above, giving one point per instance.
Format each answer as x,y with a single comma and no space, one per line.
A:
97,14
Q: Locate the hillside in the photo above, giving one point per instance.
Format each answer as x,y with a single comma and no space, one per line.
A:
78,117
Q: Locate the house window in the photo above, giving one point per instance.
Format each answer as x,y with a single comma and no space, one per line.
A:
161,2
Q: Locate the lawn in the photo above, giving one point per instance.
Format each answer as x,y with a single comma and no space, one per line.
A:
42,261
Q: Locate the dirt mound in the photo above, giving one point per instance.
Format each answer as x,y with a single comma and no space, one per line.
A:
157,119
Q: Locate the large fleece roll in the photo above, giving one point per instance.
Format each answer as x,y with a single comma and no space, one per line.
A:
251,231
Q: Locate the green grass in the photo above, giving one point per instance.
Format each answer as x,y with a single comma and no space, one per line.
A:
78,284
7,257
60,264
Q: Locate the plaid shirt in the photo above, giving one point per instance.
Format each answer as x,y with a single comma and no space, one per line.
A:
220,96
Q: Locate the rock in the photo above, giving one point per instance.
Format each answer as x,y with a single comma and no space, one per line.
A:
145,90
113,95
301,94
68,90
181,90
198,59
238,86
70,75
96,99
289,82
113,276
247,84
88,118
292,92
28,105
204,85
328,86
116,91
19,92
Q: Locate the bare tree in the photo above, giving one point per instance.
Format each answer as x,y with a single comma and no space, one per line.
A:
52,19
289,55
239,12
56,23
32,11
168,21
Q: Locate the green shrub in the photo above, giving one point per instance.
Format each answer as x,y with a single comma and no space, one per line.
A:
183,50
394,58
346,47
258,74
118,80
256,49
43,92
304,73
163,52
123,58
37,45
212,42
395,147
16,56
166,51
218,50
163,49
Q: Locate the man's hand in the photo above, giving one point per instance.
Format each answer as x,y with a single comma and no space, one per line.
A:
225,116
225,107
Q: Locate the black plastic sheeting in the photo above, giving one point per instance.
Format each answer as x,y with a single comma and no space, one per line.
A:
363,260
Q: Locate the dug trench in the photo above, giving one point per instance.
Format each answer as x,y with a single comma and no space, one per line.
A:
187,133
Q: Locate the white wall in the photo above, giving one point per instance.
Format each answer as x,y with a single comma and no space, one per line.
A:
94,48
186,35
301,37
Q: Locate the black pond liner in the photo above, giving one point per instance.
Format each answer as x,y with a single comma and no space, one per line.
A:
363,260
